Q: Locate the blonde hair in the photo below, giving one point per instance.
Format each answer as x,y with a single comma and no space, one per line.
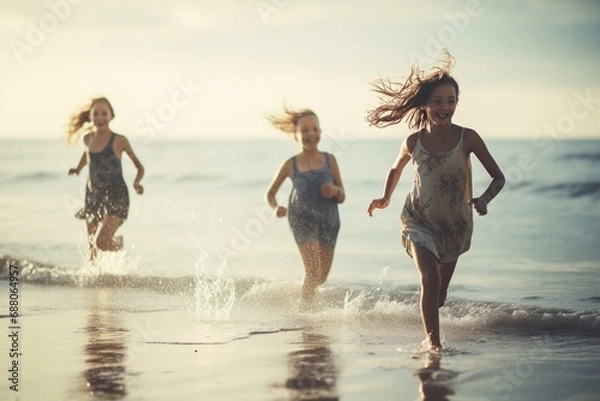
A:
82,117
407,100
287,121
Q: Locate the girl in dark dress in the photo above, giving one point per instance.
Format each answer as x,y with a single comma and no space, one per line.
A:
106,195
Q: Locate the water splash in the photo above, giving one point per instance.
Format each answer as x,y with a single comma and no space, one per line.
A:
215,293
352,305
121,263
384,272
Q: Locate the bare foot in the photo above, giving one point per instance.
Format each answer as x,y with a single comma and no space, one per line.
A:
307,301
433,345
435,348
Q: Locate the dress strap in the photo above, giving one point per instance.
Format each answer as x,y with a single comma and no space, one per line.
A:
294,165
418,147
109,145
327,163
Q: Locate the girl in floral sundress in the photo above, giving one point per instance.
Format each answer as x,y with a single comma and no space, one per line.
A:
437,219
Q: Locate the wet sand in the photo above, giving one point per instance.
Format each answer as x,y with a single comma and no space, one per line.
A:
111,343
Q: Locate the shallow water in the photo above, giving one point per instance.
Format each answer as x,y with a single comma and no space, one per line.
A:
207,265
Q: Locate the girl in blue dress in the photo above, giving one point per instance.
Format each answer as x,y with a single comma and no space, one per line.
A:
313,203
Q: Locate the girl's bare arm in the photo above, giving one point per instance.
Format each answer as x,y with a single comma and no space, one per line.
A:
80,165
394,174
283,173
340,195
126,147
477,146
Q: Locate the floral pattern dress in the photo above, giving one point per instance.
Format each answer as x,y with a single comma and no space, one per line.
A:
436,213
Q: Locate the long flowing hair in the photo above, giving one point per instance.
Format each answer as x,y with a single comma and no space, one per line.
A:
287,120
79,120
407,100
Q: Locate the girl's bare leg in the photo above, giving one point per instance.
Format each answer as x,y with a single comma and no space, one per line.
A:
428,267
325,262
310,257
446,272
106,240
92,228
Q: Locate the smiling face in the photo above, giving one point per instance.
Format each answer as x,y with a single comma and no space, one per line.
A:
308,132
441,105
100,115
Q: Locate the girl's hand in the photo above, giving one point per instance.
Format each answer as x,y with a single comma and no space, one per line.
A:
329,190
380,203
73,171
280,211
480,205
138,188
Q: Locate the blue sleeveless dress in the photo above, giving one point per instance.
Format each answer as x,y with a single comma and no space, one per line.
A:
311,216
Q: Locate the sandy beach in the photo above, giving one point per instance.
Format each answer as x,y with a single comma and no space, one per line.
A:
133,344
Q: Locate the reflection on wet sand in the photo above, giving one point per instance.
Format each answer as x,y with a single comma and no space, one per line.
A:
312,370
435,382
105,347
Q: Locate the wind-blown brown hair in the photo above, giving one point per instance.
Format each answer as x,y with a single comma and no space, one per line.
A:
287,121
79,119
407,100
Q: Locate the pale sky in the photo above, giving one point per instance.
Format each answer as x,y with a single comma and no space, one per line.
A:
212,69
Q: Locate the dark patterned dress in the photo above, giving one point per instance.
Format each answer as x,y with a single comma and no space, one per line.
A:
311,216
106,192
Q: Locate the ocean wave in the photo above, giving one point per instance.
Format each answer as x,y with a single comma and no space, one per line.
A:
247,183
590,156
364,304
88,277
569,189
34,176
468,315
198,177
518,184
573,190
